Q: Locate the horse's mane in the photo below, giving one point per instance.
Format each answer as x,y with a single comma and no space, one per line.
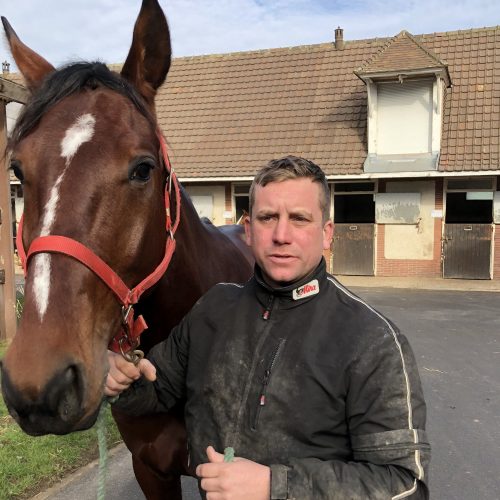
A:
64,82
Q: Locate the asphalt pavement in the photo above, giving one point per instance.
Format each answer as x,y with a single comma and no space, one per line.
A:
456,339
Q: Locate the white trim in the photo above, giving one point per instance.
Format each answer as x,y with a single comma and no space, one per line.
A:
346,177
408,492
407,383
411,175
231,284
186,180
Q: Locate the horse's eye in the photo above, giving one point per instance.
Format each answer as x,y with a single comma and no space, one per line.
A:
16,168
141,172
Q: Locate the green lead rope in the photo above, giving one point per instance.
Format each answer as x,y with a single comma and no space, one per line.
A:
228,454
103,450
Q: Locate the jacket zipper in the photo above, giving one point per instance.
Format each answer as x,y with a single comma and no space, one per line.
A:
267,311
233,436
265,381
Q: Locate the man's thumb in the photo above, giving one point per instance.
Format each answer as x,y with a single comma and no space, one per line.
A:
147,369
213,456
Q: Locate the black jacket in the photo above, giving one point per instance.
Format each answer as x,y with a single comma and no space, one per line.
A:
308,379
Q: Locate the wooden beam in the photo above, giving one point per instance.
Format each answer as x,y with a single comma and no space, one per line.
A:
10,91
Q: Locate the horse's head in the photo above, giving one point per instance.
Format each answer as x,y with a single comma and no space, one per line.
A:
87,152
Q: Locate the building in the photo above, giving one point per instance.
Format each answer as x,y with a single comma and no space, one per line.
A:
406,129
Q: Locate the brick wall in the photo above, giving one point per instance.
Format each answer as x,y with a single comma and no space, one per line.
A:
496,253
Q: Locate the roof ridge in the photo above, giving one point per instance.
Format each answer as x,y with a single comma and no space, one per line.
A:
402,34
346,42
465,30
255,51
424,48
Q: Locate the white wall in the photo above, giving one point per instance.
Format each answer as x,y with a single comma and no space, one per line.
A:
13,109
412,241
202,194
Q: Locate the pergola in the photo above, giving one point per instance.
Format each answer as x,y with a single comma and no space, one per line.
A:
9,92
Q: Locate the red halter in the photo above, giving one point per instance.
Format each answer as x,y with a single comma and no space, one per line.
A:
128,337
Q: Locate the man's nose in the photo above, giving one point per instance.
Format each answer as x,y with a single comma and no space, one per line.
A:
282,231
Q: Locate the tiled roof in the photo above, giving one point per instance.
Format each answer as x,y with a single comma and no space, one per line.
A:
227,115
402,52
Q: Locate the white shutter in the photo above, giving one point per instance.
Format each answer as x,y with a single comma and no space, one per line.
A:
404,117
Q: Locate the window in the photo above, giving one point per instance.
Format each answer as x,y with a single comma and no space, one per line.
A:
241,198
470,201
353,202
404,118
404,125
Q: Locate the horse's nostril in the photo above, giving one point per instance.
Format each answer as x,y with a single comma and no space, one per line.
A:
64,394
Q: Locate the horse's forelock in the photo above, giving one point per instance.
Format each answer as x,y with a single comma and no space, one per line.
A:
64,82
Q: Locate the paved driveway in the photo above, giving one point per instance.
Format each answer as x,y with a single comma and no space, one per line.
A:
456,339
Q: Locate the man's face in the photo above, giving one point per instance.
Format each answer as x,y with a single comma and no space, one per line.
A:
286,231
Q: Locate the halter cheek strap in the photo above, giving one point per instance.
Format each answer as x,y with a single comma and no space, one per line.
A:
129,336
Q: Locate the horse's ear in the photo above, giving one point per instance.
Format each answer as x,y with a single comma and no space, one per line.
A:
32,66
148,60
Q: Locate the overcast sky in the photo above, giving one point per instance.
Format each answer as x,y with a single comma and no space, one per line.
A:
64,31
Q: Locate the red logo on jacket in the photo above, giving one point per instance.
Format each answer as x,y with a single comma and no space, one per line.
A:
311,288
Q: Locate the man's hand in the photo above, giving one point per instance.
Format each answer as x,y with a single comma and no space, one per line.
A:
122,373
238,480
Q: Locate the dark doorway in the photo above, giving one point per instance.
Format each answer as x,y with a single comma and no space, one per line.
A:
467,238
459,209
354,220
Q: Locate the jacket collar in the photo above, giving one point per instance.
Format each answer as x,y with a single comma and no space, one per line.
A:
295,293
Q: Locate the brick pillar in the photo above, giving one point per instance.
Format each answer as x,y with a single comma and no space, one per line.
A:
228,202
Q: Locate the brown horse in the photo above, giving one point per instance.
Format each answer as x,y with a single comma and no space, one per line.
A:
88,152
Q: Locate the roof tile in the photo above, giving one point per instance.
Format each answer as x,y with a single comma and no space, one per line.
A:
226,115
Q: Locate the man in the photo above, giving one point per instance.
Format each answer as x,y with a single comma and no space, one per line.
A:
317,390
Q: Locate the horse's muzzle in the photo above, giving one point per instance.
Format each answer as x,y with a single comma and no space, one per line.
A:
53,409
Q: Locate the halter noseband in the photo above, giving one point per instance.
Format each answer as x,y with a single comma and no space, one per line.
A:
131,328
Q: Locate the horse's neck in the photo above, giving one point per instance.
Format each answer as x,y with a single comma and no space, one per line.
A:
203,257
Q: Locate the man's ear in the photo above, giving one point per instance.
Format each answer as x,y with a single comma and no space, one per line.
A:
327,234
248,230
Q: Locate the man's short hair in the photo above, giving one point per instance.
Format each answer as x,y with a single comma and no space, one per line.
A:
293,167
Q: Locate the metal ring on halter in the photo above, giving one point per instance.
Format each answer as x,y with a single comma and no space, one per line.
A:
131,356
134,356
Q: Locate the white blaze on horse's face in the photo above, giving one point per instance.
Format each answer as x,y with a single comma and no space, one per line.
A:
80,132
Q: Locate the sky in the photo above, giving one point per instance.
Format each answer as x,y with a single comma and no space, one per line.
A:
70,30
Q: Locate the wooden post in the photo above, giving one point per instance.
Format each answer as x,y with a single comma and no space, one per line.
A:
9,91
8,321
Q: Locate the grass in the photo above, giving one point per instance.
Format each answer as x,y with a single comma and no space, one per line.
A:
30,464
